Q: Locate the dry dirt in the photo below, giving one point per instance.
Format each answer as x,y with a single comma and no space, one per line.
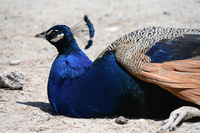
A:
28,110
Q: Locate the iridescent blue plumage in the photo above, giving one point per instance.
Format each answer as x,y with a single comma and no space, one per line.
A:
178,49
78,87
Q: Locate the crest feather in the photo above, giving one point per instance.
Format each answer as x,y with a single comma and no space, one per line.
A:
84,31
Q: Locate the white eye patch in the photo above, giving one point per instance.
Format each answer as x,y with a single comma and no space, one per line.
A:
60,36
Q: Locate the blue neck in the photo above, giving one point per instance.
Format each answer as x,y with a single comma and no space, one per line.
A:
69,65
66,45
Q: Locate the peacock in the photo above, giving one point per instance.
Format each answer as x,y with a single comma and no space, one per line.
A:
152,72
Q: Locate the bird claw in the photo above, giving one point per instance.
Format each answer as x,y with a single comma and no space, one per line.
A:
179,115
167,126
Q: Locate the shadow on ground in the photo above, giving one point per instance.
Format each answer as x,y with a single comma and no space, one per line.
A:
45,107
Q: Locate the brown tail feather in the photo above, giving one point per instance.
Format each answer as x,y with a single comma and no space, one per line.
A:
182,78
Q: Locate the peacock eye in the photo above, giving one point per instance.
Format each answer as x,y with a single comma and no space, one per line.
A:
54,34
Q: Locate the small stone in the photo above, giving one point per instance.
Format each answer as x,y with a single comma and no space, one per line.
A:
142,120
35,112
121,120
112,29
166,13
15,62
12,79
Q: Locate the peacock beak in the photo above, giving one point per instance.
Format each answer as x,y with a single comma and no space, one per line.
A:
41,35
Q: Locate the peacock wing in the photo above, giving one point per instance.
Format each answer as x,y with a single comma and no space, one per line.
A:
167,57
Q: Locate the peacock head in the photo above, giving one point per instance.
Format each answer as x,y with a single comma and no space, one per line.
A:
55,33
62,37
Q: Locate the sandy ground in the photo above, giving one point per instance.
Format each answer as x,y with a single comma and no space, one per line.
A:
28,110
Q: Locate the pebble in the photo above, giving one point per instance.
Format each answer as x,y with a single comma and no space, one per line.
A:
121,120
35,112
141,120
112,29
15,62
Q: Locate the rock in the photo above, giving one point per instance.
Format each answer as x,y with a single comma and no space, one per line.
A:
12,79
166,13
141,120
15,62
121,120
35,112
112,29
